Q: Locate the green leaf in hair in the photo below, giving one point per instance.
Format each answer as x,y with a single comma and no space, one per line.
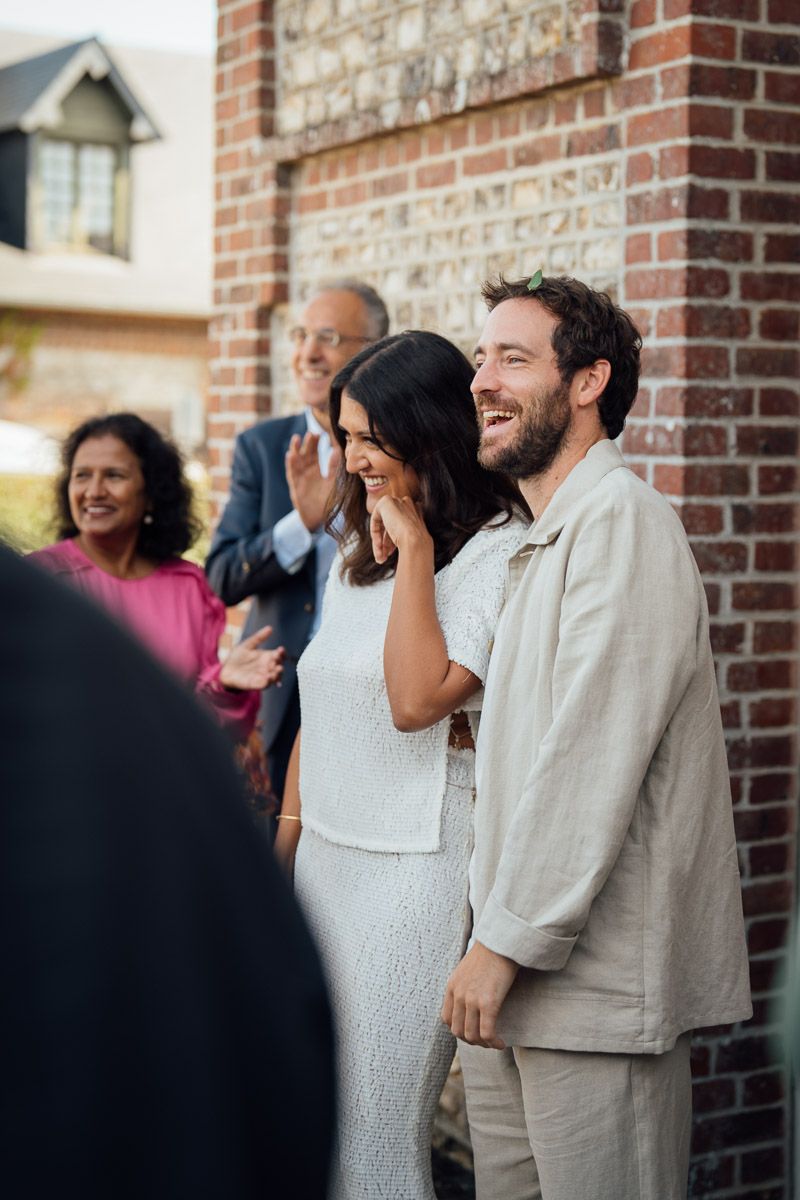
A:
535,280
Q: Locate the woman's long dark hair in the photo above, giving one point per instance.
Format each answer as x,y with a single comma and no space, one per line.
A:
415,390
173,529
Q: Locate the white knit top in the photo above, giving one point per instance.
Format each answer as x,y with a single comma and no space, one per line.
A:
362,782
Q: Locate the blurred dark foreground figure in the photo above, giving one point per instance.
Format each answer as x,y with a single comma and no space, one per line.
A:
163,1022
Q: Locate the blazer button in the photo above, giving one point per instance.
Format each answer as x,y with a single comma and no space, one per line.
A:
308,607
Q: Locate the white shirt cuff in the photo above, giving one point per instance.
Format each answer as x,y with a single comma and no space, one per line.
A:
291,542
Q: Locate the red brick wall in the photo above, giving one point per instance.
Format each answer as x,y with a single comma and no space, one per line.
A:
85,363
671,180
717,430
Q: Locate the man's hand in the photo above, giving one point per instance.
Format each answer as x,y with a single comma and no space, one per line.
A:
475,994
309,489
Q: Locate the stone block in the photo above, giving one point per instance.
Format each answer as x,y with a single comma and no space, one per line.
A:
557,221
575,12
390,113
457,314
416,79
527,193
491,199
607,215
601,254
605,177
546,32
469,57
292,117
397,217
316,106
444,71
516,42
426,211
393,282
481,12
318,15
411,29
329,62
354,51
495,53
340,101
356,225
564,185
561,259
365,90
455,205
303,66
444,18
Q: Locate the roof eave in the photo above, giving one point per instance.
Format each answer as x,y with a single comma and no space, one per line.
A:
89,59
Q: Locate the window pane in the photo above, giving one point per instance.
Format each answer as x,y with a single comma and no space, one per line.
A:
57,174
78,192
96,194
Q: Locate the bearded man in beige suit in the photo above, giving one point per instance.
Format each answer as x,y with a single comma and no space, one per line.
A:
604,883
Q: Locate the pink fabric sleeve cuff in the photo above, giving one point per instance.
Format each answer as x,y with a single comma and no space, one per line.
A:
235,711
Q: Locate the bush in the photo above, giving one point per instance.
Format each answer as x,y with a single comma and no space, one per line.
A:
27,511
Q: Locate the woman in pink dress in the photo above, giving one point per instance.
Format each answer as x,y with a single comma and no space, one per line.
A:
124,520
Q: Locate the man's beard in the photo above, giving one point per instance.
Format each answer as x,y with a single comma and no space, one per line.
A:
543,426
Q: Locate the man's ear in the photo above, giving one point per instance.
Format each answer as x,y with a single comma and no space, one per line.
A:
592,382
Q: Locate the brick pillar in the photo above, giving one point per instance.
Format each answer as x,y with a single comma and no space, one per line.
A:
713,200
251,209
704,123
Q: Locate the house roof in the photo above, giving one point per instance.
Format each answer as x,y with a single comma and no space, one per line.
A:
32,91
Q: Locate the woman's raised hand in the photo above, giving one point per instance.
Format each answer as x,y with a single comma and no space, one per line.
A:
247,667
396,522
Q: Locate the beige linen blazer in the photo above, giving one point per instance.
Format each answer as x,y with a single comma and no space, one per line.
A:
605,859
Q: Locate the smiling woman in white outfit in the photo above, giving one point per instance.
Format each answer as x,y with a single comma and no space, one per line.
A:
390,690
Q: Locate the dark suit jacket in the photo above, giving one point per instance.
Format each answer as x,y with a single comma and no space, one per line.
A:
164,1031
242,559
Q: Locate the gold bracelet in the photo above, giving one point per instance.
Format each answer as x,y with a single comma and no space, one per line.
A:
287,817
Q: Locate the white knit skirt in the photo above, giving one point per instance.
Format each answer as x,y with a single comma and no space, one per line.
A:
390,929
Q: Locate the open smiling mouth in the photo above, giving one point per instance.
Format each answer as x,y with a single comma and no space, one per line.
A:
493,417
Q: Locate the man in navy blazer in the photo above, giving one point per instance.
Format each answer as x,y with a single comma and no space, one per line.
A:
270,543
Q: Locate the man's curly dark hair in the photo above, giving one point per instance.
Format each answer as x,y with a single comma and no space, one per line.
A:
590,326
174,528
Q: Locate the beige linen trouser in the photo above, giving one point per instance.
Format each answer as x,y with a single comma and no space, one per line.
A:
569,1125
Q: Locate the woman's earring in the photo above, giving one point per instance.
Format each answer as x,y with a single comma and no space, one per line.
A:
147,519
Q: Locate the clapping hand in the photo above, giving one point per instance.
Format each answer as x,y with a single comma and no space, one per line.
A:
309,489
396,522
248,668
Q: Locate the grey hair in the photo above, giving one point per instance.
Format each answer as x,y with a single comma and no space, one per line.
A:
376,309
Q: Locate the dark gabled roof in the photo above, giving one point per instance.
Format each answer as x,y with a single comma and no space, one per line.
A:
31,91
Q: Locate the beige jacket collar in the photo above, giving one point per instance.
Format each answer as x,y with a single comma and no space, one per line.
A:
600,459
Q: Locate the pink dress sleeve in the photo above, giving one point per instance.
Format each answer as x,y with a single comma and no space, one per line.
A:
177,617
236,711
